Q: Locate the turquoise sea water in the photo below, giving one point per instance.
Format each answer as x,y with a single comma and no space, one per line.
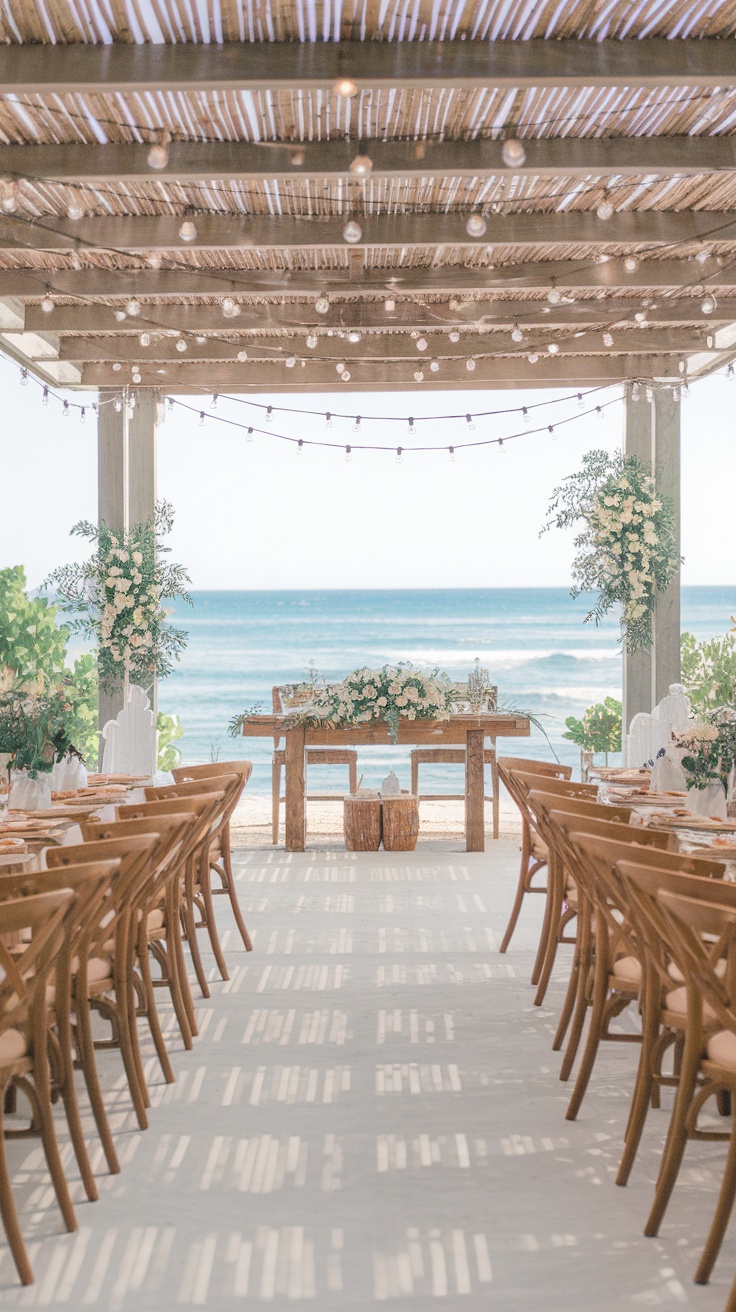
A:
533,641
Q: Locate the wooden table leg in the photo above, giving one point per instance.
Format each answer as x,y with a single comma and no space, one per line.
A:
295,781
474,792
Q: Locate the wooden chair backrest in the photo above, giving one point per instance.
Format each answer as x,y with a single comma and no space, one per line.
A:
195,788
169,833
565,787
510,766
551,768
135,854
184,774
89,918
613,830
206,808
541,800
703,934
24,974
645,877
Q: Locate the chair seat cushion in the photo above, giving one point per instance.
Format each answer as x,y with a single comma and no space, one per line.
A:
12,1046
674,972
155,919
628,970
721,1048
676,1001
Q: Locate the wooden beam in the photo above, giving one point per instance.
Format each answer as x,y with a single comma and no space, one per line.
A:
379,346
246,161
419,314
91,284
229,232
286,66
550,371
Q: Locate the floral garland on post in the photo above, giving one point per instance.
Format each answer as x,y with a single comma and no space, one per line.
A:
626,551
117,595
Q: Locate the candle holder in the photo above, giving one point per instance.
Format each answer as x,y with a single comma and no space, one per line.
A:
482,694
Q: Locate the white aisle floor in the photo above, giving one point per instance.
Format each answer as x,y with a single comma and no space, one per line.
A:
372,1114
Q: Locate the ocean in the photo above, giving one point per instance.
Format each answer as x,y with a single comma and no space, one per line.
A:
533,641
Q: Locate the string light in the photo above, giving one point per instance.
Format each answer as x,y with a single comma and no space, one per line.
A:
607,339
328,420
346,375
242,356
24,377
451,450
532,357
552,348
513,153
145,339
525,415
297,158
476,226
709,304
501,446
352,232
311,341
348,454
133,308
45,397
356,425
389,305
412,429
469,422
65,410
421,344
605,210
729,372
554,295
117,366
516,334
188,230
213,402
249,435
74,210
354,336
454,336
201,418
158,155
299,447
340,366
322,304
181,344
47,304
120,315
230,307
631,263
703,255
290,361
269,414
345,87
83,416
599,412
434,366
470,365
9,198
362,163
399,455
418,376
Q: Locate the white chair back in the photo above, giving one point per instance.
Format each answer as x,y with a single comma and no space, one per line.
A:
648,733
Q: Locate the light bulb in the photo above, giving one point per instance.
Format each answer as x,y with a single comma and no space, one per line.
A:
9,202
65,410
470,365
200,340
389,305
641,317
297,158
525,415
581,403
607,339
475,225
513,153
136,379
154,261
454,335
354,336
418,376
181,344
708,304
532,357
242,356
631,263
322,305
133,308
470,423
554,295
434,366
24,377
74,210
451,450
516,334
346,375
356,425
120,315
553,348
399,455
344,86
352,232
116,367
348,454
703,255
158,156
228,305
47,304
605,210
361,164
145,339
188,230
117,405
421,344
290,361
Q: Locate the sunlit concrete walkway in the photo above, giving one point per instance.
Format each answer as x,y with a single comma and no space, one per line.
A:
372,1114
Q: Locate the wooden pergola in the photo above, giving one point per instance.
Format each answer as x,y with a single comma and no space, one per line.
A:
236,197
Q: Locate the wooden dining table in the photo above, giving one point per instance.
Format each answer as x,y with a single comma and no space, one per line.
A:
467,730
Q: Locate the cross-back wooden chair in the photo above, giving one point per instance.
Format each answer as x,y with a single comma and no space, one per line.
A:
534,854
220,853
647,883
570,822
91,885
206,807
104,976
200,896
340,756
24,1042
703,940
157,914
562,895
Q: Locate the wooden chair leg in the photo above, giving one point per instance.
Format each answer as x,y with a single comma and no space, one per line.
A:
595,1027
584,951
42,1086
175,950
69,1098
8,1213
209,911
86,1054
675,1145
232,891
580,963
521,888
555,898
643,1087
152,1015
189,920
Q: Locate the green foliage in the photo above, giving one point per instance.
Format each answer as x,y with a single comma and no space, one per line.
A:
600,728
170,730
709,671
35,724
31,640
626,549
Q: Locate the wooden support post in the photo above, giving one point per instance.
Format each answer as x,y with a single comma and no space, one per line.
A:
112,502
474,791
667,474
638,681
295,784
142,428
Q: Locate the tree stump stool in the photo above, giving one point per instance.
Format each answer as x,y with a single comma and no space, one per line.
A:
362,824
400,823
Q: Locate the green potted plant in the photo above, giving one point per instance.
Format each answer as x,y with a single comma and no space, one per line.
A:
598,731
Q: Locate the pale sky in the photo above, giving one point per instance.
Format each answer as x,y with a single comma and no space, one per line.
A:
256,515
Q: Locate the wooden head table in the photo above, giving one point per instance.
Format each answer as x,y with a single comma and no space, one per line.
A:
469,731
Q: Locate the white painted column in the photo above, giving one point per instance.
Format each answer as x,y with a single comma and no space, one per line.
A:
112,501
638,679
143,423
667,474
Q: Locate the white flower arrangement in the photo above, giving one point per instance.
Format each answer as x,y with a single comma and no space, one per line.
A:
626,551
117,599
393,693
